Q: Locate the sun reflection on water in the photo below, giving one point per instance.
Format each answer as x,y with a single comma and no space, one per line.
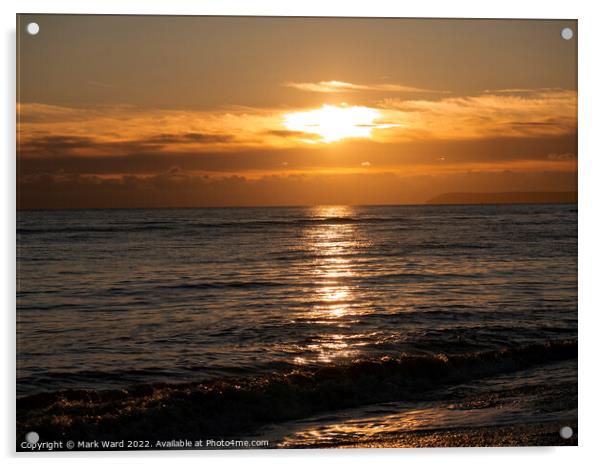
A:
332,239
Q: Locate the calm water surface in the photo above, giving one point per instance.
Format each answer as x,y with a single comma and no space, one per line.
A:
108,298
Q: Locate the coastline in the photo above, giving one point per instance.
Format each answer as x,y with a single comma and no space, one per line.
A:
526,435
306,411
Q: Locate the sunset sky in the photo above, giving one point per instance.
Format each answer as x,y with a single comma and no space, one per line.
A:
140,111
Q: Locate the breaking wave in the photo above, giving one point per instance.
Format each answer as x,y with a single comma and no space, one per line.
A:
228,406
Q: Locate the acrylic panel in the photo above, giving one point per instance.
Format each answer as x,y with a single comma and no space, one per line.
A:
282,232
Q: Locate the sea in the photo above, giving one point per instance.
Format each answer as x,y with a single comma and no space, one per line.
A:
307,326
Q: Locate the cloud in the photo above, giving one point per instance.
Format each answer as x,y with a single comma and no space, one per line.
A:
189,138
544,112
98,129
519,91
118,131
54,145
42,124
341,86
403,157
565,156
177,188
127,156
286,133
66,145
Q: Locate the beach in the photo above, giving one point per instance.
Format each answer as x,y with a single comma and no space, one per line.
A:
530,435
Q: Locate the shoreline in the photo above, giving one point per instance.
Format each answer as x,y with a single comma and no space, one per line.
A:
529,435
214,411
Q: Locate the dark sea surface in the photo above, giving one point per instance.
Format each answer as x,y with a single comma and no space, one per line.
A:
476,304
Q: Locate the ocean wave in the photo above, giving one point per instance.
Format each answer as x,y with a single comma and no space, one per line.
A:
191,226
371,279
92,229
229,406
224,284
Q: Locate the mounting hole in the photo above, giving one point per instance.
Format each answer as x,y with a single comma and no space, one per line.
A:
33,29
566,432
566,33
32,437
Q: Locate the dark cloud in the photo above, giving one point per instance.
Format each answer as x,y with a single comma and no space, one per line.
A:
176,188
54,145
285,133
136,159
63,145
187,138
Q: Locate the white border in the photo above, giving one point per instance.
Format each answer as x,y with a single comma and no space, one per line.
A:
590,154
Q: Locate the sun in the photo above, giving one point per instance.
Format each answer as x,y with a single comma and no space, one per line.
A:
333,123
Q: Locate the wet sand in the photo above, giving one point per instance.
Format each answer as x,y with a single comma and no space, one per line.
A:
540,434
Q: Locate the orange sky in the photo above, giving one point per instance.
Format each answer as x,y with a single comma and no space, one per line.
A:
192,111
